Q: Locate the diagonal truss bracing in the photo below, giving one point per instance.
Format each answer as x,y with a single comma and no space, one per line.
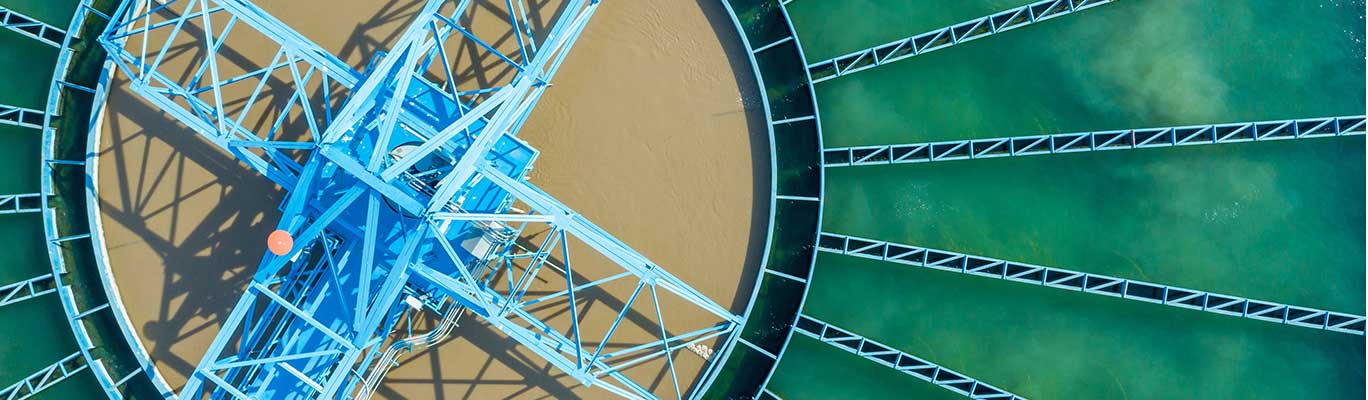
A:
20,116
1125,139
44,378
27,289
1092,283
406,192
913,46
31,27
901,361
21,203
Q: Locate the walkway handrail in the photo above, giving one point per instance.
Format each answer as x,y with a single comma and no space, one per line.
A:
388,360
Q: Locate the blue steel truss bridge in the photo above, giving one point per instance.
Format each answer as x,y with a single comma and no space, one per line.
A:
408,196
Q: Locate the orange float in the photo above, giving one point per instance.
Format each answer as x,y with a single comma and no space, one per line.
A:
280,242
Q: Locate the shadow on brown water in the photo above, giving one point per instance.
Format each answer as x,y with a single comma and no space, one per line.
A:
186,219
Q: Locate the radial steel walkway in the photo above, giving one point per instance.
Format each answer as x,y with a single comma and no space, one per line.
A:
21,203
893,358
31,27
44,378
20,116
1036,144
941,38
1092,283
27,289
1125,139
409,192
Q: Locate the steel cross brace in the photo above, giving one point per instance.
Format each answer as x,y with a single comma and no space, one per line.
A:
398,175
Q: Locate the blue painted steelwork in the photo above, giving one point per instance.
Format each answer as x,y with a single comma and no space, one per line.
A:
726,350
1125,139
55,238
31,27
27,289
775,196
913,46
1092,283
410,190
44,378
893,358
821,191
450,316
21,203
20,116
112,296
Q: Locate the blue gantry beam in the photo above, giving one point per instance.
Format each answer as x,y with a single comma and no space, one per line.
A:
407,191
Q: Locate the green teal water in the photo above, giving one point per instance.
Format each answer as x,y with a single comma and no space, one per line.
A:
1128,64
880,21
31,62
21,173
1280,221
56,13
1053,344
33,333
810,363
1275,221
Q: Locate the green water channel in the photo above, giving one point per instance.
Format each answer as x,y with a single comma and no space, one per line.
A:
33,333
1273,221
1053,344
1279,221
56,13
1122,65
880,21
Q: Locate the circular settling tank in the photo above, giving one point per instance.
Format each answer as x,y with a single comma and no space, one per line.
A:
651,130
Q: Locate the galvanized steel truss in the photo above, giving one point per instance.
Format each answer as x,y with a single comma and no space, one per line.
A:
27,289
913,46
1037,145
901,361
1092,283
1125,139
20,116
44,378
31,27
405,183
21,203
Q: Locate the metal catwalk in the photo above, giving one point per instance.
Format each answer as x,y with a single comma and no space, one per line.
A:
407,194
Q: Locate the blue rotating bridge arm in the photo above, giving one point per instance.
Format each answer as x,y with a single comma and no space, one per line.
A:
405,182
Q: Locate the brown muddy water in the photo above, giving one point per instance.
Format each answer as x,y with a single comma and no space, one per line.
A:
652,130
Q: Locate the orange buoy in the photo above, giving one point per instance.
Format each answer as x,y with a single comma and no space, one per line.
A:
280,242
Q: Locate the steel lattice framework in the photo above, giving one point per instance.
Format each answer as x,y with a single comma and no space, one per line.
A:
406,190
1125,139
893,358
1059,278
941,38
31,27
